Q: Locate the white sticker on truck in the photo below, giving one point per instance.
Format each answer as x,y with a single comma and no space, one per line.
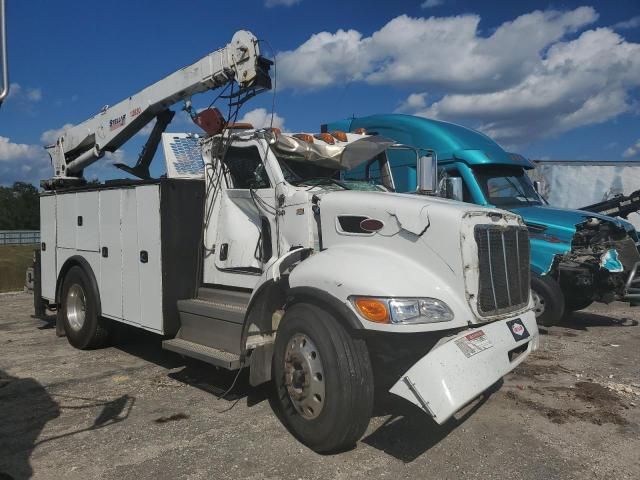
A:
473,343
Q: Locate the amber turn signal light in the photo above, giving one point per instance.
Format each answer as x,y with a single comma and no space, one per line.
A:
372,309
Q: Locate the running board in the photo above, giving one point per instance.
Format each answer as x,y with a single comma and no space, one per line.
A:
211,355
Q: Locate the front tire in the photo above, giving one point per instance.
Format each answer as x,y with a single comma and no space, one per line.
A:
548,300
323,380
79,312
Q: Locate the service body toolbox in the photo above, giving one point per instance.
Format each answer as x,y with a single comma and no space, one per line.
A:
140,239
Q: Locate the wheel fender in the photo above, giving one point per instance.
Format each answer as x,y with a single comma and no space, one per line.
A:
342,271
81,262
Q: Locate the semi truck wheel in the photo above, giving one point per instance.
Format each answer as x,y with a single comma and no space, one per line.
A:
323,380
79,312
548,300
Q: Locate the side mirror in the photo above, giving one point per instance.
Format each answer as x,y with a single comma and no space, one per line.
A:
453,188
538,186
4,74
427,174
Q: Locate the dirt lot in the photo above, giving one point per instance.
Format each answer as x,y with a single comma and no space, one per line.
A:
134,411
14,260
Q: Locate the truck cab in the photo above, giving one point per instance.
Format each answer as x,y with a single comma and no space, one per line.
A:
577,257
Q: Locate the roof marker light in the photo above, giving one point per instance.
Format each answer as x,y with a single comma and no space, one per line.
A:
305,137
325,137
340,136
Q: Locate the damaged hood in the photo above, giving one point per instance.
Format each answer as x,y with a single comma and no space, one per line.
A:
561,222
340,155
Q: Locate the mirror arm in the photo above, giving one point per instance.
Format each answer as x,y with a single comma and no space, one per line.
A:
3,44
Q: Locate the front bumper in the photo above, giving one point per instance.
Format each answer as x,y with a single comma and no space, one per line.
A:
457,371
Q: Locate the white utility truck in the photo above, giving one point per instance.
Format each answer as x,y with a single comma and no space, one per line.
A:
275,260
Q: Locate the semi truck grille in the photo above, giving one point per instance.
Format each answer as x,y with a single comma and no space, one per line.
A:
503,254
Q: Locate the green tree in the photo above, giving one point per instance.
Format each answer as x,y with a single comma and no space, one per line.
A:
19,207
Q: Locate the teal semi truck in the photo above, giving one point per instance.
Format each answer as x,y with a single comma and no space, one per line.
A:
577,257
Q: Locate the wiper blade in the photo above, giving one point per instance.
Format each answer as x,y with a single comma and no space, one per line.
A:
314,181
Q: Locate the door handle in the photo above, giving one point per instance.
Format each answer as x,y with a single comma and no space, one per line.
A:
144,256
224,251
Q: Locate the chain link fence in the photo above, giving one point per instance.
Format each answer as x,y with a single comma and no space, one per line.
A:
19,237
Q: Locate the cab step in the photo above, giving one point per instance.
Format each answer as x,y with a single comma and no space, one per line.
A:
211,355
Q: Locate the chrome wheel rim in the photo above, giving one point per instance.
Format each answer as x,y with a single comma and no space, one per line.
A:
538,303
76,307
304,376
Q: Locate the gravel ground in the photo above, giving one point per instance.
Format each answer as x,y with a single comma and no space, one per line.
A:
134,411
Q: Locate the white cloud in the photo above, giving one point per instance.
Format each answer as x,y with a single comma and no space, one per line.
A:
260,118
633,22
632,151
24,94
10,151
280,3
22,162
414,102
49,137
431,3
541,74
435,52
580,82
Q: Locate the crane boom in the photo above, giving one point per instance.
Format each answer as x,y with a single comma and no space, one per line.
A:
85,143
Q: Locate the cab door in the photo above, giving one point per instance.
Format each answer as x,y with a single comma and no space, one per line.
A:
247,206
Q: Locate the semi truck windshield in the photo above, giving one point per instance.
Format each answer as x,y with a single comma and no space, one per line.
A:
505,186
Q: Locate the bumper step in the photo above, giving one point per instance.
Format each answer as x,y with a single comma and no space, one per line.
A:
216,357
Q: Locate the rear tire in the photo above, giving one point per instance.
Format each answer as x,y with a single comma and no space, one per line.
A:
323,380
79,311
548,300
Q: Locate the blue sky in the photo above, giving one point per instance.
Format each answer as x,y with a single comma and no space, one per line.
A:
557,80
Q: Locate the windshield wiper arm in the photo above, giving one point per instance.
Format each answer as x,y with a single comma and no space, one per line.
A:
314,181
518,188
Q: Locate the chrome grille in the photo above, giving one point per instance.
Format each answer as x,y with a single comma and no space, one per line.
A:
503,255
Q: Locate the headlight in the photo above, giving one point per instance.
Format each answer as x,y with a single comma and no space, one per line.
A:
403,310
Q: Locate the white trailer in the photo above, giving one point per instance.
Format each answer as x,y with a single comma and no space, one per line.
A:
576,184
282,261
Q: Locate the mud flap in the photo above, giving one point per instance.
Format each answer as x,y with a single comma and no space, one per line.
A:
454,373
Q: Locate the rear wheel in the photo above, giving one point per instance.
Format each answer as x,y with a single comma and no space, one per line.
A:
79,311
548,300
323,380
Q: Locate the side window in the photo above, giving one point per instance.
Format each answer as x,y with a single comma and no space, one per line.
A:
245,168
466,194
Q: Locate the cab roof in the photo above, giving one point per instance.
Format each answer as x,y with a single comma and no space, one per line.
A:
450,141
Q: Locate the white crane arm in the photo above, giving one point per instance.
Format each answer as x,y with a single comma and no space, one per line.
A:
83,144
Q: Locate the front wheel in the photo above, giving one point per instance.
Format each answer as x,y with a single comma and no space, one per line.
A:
323,380
548,300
